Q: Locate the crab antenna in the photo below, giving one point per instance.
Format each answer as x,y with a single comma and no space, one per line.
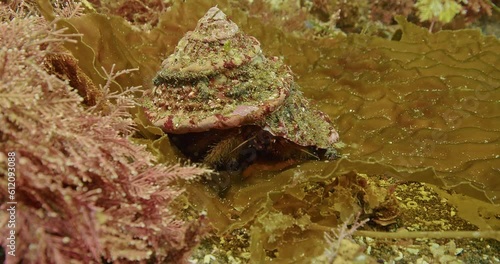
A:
309,153
242,143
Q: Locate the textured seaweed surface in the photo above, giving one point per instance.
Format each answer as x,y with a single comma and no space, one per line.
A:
427,101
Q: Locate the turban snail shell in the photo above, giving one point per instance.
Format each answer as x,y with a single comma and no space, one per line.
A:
218,93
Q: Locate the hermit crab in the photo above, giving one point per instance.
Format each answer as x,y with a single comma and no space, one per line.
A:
224,103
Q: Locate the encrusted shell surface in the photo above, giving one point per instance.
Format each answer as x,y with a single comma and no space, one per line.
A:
218,78
215,45
298,122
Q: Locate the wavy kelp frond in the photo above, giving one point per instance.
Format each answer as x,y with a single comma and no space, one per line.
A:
84,192
427,101
287,214
296,207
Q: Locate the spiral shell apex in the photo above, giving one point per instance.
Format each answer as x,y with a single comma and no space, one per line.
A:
215,45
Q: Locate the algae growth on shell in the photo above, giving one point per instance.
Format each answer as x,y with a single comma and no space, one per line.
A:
219,79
